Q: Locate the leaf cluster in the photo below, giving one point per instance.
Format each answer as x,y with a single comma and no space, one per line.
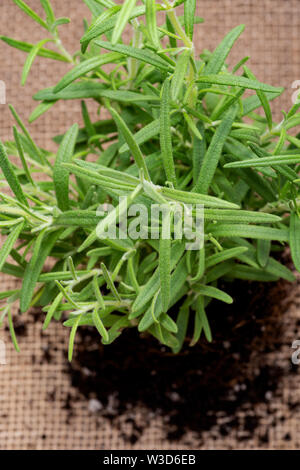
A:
180,129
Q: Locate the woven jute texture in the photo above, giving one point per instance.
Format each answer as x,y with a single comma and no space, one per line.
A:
34,385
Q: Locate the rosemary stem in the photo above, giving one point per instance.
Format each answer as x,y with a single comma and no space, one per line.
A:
177,26
63,50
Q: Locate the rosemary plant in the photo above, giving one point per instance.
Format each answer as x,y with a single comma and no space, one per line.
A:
180,132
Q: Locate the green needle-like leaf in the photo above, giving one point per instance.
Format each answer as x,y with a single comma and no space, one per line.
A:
61,174
122,19
143,55
151,22
7,246
250,231
85,67
152,286
219,56
263,252
165,272
30,58
105,22
23,6
52,310
179,74
134,148
225,255
295,239
10,176
182,325
42,248
12,331
214,152
40,110
99,325
48,10
263,99
189,17
210,291
194,198
27,47
37,152
233,80
82,90
110,282
165,134
265,161
72,338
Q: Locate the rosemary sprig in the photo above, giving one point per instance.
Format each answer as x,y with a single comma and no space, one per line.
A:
180,133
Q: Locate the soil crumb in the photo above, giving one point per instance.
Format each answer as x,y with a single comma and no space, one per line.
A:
215,387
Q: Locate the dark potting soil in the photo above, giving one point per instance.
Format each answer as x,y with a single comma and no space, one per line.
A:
204,387
20,326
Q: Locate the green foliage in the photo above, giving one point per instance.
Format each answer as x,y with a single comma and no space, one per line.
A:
180,133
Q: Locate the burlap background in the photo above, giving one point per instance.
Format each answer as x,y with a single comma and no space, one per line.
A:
28,418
